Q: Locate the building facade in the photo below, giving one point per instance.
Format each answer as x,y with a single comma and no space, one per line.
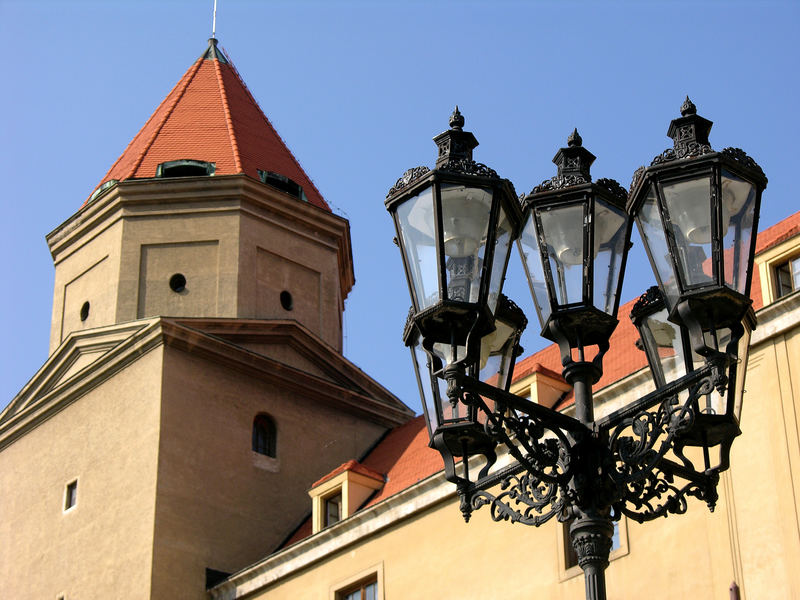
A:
197,433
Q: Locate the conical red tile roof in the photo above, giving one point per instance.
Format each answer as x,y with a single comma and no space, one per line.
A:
211,116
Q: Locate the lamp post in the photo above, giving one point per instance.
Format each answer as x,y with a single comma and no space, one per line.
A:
697,211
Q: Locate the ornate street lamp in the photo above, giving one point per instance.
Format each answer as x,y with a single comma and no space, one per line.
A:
697,211
455,225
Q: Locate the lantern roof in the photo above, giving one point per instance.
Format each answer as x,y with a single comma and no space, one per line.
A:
454,157
574,169
689,135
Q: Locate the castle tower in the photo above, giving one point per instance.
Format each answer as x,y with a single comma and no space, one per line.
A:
195,383
205,214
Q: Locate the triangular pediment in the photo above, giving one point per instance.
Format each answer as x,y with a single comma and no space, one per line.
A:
77,353
306,365
291,344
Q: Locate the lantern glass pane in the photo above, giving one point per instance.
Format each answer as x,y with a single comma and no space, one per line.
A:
651,229
738,212
416,223
720,339
496,354
610,229
716,339
528,246
465,225
502,248
689,206
664,347
426,384
739,370
563,232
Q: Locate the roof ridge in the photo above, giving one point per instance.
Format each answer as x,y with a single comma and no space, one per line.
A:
178,96
228,119
269,124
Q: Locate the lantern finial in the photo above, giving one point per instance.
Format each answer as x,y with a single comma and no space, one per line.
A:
689,132
456,120
455,144
574,139
688,108
574,161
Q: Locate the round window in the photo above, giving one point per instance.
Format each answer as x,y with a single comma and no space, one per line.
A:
177,283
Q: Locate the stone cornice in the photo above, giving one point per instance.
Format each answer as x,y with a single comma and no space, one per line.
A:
296,336
45,394
204,195
776,318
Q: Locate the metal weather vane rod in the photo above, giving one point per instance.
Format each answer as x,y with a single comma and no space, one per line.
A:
214,21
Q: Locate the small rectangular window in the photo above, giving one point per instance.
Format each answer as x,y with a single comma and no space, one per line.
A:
333,509
71,495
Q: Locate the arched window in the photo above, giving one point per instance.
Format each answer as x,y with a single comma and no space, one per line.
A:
264,435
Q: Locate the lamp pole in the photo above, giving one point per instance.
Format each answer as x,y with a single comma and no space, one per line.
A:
697,211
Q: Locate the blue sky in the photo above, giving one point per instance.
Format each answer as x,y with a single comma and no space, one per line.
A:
357,90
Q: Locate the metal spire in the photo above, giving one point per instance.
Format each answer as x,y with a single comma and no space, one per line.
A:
214,21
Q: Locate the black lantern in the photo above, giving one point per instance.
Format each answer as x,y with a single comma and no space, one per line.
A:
574,245
455,225
457,427
697,212
670,356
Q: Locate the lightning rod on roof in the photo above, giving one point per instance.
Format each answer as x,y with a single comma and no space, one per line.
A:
214,21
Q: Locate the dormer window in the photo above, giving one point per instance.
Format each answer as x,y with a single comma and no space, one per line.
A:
283,183
186,168
342,492
779,268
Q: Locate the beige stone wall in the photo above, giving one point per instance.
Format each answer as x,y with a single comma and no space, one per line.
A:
220,505
436,554
281,255
765,472
88,271
102,548
238,243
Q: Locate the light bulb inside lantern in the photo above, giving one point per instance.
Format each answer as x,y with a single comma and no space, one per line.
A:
465,219
689,208
563,230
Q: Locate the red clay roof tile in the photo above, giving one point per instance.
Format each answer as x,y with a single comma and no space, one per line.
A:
211,116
